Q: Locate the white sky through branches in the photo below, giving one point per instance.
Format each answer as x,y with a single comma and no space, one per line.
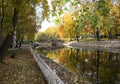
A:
45,24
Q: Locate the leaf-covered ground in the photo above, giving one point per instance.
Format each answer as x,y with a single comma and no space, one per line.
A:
21,70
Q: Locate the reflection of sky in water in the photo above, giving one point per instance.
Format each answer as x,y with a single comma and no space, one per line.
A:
97,67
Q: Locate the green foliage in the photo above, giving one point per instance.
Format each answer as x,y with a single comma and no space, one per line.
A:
41,37
66,28
46,9
104,6
26,24
50,33
94,15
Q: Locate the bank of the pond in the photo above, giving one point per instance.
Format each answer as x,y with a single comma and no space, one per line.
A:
66,76
109,46
49,46
21,70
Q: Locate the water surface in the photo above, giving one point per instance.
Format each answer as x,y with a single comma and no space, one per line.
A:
92,67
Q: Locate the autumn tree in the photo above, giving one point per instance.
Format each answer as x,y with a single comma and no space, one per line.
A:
2,13
41,36
8,38
60,32
115,13
103,11
51,32
26,26
66,28
68,25
21,16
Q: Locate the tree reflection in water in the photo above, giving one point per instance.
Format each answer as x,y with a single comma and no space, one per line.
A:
90,67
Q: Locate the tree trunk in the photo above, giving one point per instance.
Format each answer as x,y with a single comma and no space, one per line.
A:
15,18
5,46
116,32
14,44
21,41
109,33
77,36
70,35
97,35
2,19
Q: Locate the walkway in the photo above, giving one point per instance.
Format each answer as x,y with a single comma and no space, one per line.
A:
21,70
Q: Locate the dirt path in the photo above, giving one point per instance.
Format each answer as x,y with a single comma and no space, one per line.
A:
21,70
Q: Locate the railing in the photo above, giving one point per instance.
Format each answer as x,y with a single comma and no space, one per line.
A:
50,75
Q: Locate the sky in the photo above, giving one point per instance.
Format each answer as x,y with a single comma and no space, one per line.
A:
45,24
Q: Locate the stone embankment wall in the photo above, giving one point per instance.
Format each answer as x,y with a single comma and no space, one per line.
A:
109,46
50,75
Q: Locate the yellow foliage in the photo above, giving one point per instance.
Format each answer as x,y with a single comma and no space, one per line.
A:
36,35
67,18
60,32
51,30
66,29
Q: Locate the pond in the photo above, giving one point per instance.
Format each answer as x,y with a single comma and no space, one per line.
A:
93,66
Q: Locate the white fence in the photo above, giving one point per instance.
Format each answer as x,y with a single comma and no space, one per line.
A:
50,75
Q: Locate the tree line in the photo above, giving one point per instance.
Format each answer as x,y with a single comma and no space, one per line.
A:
96,18
17,21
